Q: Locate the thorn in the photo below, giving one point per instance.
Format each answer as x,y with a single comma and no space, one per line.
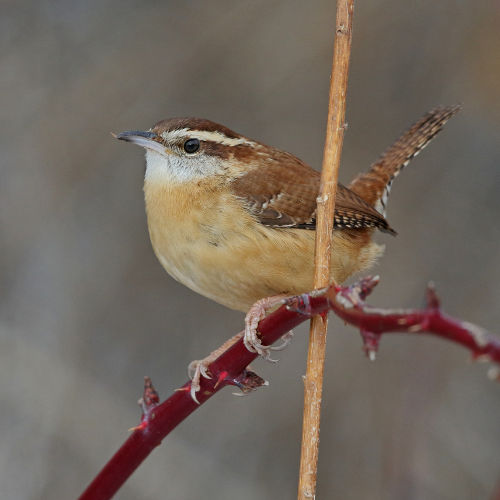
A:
481,358
494,373
221,378
417,328
432,299
139,427
370,343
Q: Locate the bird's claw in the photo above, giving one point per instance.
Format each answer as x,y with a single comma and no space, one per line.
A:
196,370
251,338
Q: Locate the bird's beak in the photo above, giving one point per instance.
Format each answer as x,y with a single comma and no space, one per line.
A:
143,139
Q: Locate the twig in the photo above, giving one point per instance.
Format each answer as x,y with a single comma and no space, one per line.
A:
159,420
348,303
313,381
229,369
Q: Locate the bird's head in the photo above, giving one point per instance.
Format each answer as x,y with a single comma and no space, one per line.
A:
188,149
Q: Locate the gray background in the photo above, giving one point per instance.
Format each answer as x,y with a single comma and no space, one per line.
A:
86,310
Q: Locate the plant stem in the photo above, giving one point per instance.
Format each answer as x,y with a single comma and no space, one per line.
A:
313,382
348,303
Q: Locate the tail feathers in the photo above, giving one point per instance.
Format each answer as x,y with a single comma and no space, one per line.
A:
374,186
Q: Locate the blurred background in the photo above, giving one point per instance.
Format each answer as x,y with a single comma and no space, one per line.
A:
86,310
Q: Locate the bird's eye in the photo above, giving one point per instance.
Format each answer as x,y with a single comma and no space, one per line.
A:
191,146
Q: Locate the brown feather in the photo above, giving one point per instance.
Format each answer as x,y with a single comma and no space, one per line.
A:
282,192
374,186
192,124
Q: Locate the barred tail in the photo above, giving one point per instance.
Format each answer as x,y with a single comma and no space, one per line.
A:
374,186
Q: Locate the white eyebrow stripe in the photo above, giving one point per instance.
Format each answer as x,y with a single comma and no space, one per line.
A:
205,135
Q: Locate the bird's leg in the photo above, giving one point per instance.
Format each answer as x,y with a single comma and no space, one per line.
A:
257,312
199,367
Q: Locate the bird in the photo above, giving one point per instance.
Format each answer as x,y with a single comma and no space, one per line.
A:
234,219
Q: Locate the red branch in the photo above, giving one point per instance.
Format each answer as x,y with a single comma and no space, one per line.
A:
348,303
229,369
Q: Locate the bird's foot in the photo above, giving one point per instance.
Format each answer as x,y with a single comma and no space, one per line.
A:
198,368
256,313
